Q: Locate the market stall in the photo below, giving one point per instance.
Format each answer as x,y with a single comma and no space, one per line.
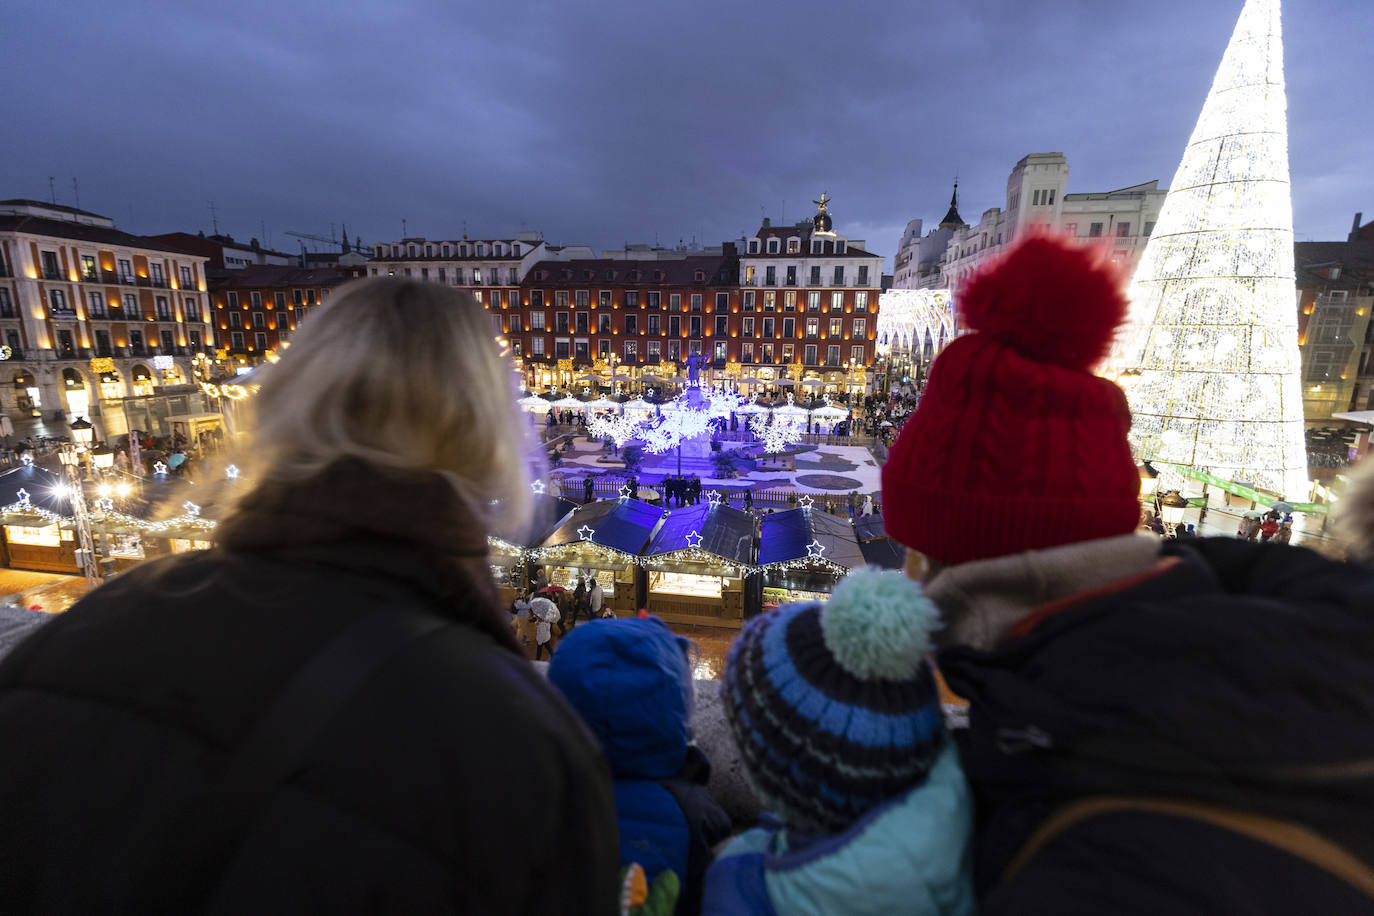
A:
601,539
878,549
803,552
700,565
506,552
824,419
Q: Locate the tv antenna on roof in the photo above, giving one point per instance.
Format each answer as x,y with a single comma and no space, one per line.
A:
214,219
52,189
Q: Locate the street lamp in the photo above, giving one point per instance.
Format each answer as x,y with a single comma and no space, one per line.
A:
1149,479
82,432
71,459
1171,506
102,457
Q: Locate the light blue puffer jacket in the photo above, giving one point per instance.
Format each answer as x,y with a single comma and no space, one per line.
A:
910,856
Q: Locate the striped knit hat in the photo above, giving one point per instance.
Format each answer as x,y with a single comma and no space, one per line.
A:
834,708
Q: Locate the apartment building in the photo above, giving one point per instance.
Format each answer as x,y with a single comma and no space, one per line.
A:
90,314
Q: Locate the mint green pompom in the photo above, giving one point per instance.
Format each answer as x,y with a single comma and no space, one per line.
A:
877,624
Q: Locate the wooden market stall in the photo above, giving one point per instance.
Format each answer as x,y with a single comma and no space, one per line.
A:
803,552
699,566
601,540
878,549
507,553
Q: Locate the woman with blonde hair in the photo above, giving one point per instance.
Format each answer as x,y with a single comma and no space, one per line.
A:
321,713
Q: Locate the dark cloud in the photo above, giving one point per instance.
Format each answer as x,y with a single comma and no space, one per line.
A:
613,121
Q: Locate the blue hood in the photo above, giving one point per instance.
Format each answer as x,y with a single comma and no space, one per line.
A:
631,682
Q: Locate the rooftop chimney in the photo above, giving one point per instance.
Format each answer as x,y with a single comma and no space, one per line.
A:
1355,228
767,222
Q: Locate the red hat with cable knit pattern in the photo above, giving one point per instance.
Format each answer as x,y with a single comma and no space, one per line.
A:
1016,445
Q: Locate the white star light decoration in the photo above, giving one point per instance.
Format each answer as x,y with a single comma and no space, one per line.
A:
24,499
814,550
713,498
694,540
106,504
538,488
160,469
625,492
805,501
232,472
190,508
26,458
586,532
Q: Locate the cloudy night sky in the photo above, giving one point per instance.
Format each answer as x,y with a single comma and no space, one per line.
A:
612,122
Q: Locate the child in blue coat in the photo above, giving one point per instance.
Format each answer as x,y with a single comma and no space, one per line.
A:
631,682
838,719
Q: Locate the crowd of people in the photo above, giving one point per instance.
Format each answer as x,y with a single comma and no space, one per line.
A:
331,711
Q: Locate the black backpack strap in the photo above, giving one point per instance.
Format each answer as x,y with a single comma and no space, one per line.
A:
302,709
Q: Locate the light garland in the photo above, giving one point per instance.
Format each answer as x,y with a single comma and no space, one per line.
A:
908,316
1210,359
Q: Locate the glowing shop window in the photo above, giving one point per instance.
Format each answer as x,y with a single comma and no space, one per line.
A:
129,546
185,545
671,583
46,536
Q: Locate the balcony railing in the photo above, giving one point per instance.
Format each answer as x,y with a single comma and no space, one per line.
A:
128,279
64,312
158,282
53,275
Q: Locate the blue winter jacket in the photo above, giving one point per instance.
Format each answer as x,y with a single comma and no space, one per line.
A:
631,682
911,855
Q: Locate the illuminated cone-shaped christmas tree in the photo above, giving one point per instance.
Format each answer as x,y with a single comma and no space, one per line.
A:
1209,359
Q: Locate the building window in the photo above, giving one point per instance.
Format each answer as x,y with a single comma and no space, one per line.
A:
770,299
560,298
856,357
860,328
840,246
58,300
753,246
130,305
655,300
789,327
861,301
765,353
260,341
561,322
863,275
1094,230
839,276
582,322
88,268
562,348
835,327
126,271
770,274
695,326
536,346
675,302
537,321
832,355
1149,229
631,324
722,302
748,300
813,326
810,359
256,298
789,300
655,351
632,298
748,327
773,246
722,325
768,328
96,308
164,310
603,349
655,325
232,298
631,351
791,275
1123,230
813,302
235,319
746,353
696,302
259,321
581,352
536,298
604,296
837,301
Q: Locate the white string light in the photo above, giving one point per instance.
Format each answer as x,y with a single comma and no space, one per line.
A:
1209,359
537,487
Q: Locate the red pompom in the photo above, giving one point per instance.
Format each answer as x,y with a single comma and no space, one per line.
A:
1050,299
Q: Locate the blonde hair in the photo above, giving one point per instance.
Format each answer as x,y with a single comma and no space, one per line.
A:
405,374
1354,515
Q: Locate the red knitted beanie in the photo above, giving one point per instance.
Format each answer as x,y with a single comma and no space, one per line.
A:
1015,444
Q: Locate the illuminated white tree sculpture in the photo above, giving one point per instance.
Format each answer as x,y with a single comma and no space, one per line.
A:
1209,359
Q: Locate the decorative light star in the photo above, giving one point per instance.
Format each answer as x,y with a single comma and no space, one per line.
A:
694,539
713,498
625,491
24,500
191,508
159,468
106,504
538,488
805,501
586,532
814,550
26,458
232,472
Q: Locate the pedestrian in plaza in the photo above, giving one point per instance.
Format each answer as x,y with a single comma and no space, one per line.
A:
668,820
1269,527
634,487
1154,727
1285,533
547,614
579,603
836,714
595,597
322,713
749,500
588,489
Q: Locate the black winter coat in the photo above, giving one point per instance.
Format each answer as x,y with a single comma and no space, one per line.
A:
454,781
1241,677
